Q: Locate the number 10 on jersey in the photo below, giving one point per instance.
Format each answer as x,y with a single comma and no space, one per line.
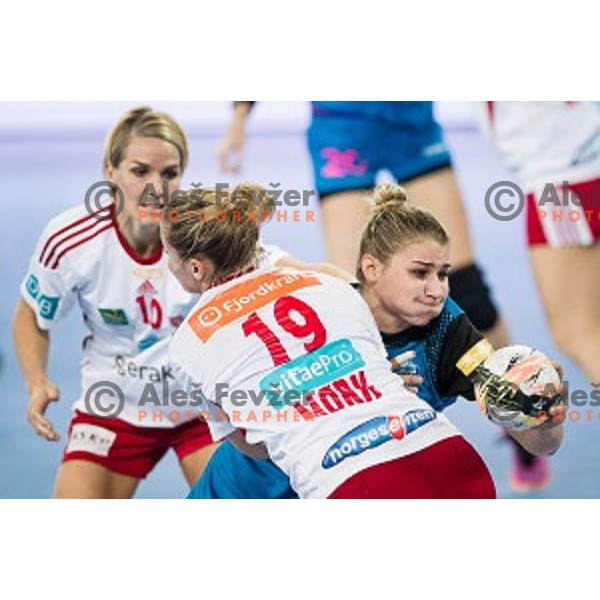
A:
152,313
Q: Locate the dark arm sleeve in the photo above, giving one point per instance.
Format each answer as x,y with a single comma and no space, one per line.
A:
460,337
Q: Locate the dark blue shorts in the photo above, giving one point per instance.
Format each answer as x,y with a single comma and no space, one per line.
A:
350,142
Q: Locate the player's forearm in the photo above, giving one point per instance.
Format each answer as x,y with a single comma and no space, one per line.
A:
542,440
329,269
31,345
241,110
325,268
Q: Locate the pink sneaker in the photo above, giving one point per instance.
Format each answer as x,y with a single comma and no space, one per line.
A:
530,475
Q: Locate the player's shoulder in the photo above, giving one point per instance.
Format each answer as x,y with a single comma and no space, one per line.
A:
270,255
71,232
78,214
341,288
312,280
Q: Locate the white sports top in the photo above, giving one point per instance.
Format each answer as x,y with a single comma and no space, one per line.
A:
296,361
131,307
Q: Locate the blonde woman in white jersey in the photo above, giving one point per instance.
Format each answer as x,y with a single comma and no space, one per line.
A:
111,263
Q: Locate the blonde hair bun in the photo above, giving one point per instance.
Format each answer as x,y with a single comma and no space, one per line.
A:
388,194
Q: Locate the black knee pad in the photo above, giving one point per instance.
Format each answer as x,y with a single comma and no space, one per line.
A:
470,292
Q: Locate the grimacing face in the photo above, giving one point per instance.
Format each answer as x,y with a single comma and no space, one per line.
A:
413,285
147,161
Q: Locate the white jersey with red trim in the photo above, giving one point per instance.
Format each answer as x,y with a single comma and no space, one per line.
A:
131,306
296,361
545,142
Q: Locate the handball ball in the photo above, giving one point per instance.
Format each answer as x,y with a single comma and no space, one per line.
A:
516,387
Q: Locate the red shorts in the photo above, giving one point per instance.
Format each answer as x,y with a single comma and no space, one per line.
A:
451,468
127,449
558,221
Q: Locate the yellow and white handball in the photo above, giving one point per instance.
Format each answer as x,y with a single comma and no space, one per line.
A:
517,386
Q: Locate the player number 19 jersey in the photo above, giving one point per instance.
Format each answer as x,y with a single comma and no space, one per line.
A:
295,360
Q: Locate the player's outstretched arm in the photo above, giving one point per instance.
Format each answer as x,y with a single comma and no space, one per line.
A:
32,344
231,147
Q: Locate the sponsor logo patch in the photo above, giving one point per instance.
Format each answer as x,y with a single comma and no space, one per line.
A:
147,342
314,370
245,298
91,438
33,286
113,316
375,432
48,305
146,288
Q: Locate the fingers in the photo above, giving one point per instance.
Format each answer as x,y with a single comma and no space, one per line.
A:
412,382
43,427
40,398
559,368
229,157
222,153
402,358
480,400
558,411
234,165
224,162
561,389
229,165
